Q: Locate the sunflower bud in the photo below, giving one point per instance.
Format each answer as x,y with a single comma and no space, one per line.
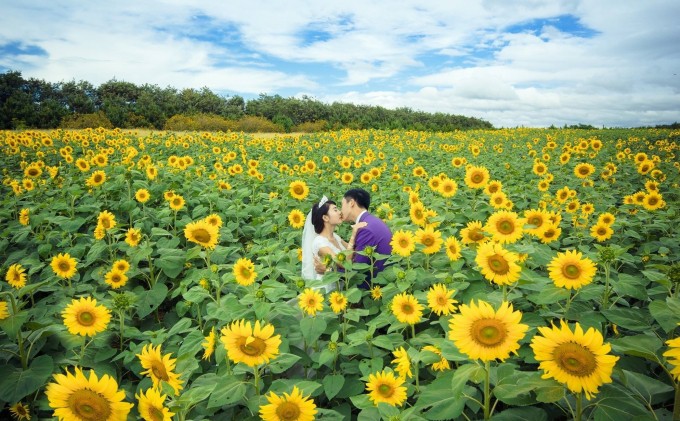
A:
259,293
332,346
369,250
214,268
606,255
674,273
122,302
341,257
300,284
401,275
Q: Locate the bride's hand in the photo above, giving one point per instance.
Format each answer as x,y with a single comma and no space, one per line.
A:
356,227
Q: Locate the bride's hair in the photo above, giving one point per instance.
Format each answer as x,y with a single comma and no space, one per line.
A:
317,215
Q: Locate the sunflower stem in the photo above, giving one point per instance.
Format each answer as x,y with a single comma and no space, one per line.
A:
121,318
413,331
20,339
256,380
676,403
579,406
487,390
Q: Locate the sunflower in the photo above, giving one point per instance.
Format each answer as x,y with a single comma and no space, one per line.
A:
406,308
376,293
386,388
16,276
583,170
20,412
151,172
540,168
673,356
482,333
562,194
115,278
142,195
551,233
298,190
498,200
448,188
453,248
430,238
24,216
133,236
168,195
214,219
417,213
571,270
497,264
177,202
606,219
289,407
296,219
150,406
76,397
505,226
106,219
653,201
439,299
310,301
159,367
579,360
539,219
403,363
96,179
244,271
85,318
248,345
601,232
82,165
208,343
473,233
476,177
338,301
202,233
4,312
63,265
443,363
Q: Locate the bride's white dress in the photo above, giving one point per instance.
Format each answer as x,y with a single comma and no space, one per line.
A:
321,242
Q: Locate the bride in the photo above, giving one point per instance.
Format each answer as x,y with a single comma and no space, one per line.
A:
319,238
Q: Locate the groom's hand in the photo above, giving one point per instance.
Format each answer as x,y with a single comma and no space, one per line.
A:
319,267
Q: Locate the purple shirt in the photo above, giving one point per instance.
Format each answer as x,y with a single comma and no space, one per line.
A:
376,234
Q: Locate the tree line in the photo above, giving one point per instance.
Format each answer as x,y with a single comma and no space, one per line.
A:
35,103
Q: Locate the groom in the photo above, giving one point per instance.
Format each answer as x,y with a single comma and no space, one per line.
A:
376,233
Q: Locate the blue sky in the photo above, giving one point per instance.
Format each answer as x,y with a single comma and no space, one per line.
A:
521,63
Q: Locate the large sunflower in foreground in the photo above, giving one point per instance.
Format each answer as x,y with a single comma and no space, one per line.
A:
497,264
244,272
403,243
151,408
439,299
63,265
482,333
85,318
571,270
159,367
406,308
473,233
75,397
202,233
386,388
505,226
338,301
250,345
298,189
289,407
310,301
16,276
579,360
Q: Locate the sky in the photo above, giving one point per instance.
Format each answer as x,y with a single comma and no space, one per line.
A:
532,63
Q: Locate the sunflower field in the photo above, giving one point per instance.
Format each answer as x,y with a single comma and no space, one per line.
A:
534,274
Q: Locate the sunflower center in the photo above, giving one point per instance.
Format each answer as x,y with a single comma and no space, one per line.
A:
476,235
253,347
106,223
428,241
418,214
575,359
442,300
156,414
97,178
488,332
536,220
288,411
64,266
115,278
385,390
549,234
298,190
498,264
202,235
505,227
245,272
601,231
407,308
403,243
571,271
652,200
583,171
477,178
158,370
89,405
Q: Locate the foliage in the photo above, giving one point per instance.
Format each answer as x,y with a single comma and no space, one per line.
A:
86,121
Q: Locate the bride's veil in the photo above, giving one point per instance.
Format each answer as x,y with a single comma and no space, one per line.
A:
308,235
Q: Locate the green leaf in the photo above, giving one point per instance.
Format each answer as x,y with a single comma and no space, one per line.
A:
229,391
312,328
183,325
522,414
443,398
171,261
663,315
150,300
196,295
16,383
332,384
648,388
12,324
283,362
629,318
614,404
550,295
644,346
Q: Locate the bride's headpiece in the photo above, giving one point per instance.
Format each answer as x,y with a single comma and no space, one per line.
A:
323,200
